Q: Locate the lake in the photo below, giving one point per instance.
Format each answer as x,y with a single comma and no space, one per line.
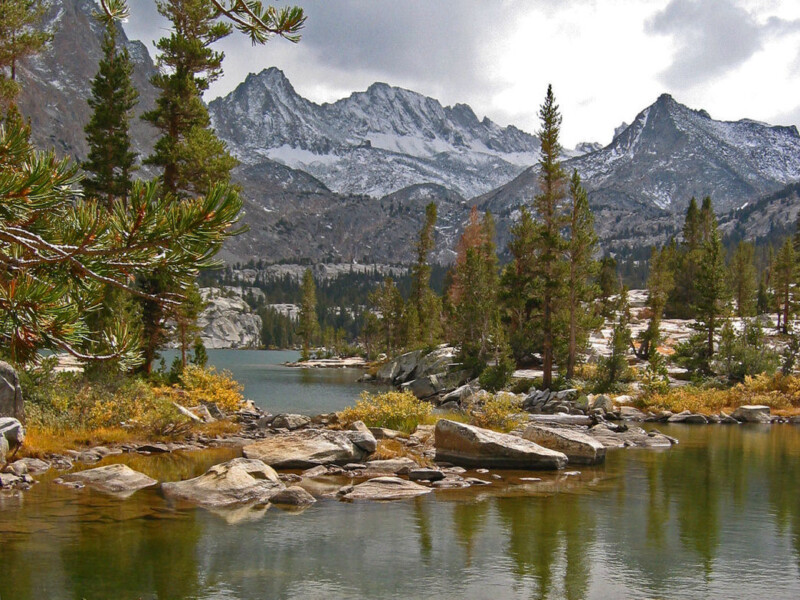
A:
278,389
717,516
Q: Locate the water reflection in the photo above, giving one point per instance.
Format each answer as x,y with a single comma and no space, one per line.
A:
675,524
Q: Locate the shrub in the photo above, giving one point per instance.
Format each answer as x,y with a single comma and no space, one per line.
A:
500,411
496,377
745,354
206,385
778,391
393,410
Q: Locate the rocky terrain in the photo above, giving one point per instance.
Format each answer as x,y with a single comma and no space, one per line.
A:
227,321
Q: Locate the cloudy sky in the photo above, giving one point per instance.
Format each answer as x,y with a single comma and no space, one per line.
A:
606,59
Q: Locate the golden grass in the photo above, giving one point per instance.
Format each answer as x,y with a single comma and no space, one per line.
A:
394,410
389,449
43,441
500,412
781,393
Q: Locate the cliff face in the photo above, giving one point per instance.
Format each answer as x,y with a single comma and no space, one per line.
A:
227,322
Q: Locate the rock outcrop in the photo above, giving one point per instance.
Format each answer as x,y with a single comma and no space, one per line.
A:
470,446
238,481
11,404
308,448
752,414
12,434
580,448
228,322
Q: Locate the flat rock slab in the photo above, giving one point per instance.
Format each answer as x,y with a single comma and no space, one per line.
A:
471,446
398,466
112,479
386,488
560,419
307,448
238,481
580,448
633,437
28,465
752,413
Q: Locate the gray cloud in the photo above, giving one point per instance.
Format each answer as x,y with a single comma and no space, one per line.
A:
712,38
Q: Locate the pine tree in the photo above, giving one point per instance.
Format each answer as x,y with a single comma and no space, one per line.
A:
683,299
473,293
783,279
613,369
518,294
659,285
19,38
608,282
190,154
308,326
110,161
581,269
549,266
743,279
424,305
388,302
711,287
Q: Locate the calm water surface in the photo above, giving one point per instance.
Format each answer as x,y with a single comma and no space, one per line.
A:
277,389
718,516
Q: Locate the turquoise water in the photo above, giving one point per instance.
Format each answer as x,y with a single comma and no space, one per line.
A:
277,389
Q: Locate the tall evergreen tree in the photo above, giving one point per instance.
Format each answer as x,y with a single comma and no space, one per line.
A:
783,279
19,38
110,161
388,302
608,282
423,301
518,295
308,325
190,154
473,293
550,265
743,279
683,299
659,285
582,267
711,287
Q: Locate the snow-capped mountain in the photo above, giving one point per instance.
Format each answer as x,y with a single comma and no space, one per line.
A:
57,82
671,153
374,142
349,180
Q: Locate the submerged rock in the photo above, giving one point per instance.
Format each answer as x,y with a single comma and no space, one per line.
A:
386,488
579,447
113,479
293,496
307,448
238,481
631,436
467,445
